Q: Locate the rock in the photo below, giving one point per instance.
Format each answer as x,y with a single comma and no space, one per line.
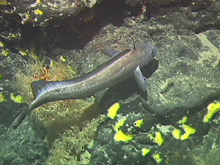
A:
187,76
183,81
42,11
23,146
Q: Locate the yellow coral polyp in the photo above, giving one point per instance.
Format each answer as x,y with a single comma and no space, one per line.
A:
183,120
6,52
17,99
158,138
113,110
2,97
176,133
120,123
23,53
139,123
2,44
121,136
213,108
145,151
38,12
188,132
185,136
158,158
62,58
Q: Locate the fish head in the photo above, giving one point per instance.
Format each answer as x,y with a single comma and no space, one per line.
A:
147,49
146,52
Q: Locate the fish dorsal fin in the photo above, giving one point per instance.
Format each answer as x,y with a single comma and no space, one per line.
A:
134,46
37,87
110,52
125,51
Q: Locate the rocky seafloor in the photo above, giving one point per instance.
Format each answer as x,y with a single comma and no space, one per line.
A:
176,123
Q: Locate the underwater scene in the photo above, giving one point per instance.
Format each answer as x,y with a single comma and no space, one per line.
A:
109,82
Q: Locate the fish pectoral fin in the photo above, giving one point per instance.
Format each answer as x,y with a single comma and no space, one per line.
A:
110,52
140,79
99,95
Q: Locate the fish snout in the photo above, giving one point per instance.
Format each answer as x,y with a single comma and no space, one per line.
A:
154,52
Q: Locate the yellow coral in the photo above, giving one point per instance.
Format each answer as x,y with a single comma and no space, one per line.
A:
6,52
188,131
17,99
2,44
176,133
183,120
139,123
121,136
213,108
113,110
120,123
2,97
158,158
38,12
145,151
158,138
62,58
23,53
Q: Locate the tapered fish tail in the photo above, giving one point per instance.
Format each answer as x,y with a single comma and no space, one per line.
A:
19,119
36,89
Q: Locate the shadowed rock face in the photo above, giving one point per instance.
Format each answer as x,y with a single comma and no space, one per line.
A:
66,24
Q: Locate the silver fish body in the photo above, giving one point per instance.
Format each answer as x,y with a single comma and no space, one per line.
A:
120,66
108,74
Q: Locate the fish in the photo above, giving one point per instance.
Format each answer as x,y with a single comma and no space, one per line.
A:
120,66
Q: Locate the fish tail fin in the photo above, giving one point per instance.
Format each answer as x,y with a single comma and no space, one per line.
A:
19,119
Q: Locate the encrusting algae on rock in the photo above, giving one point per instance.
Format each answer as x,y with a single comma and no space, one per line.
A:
36,70
72,146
